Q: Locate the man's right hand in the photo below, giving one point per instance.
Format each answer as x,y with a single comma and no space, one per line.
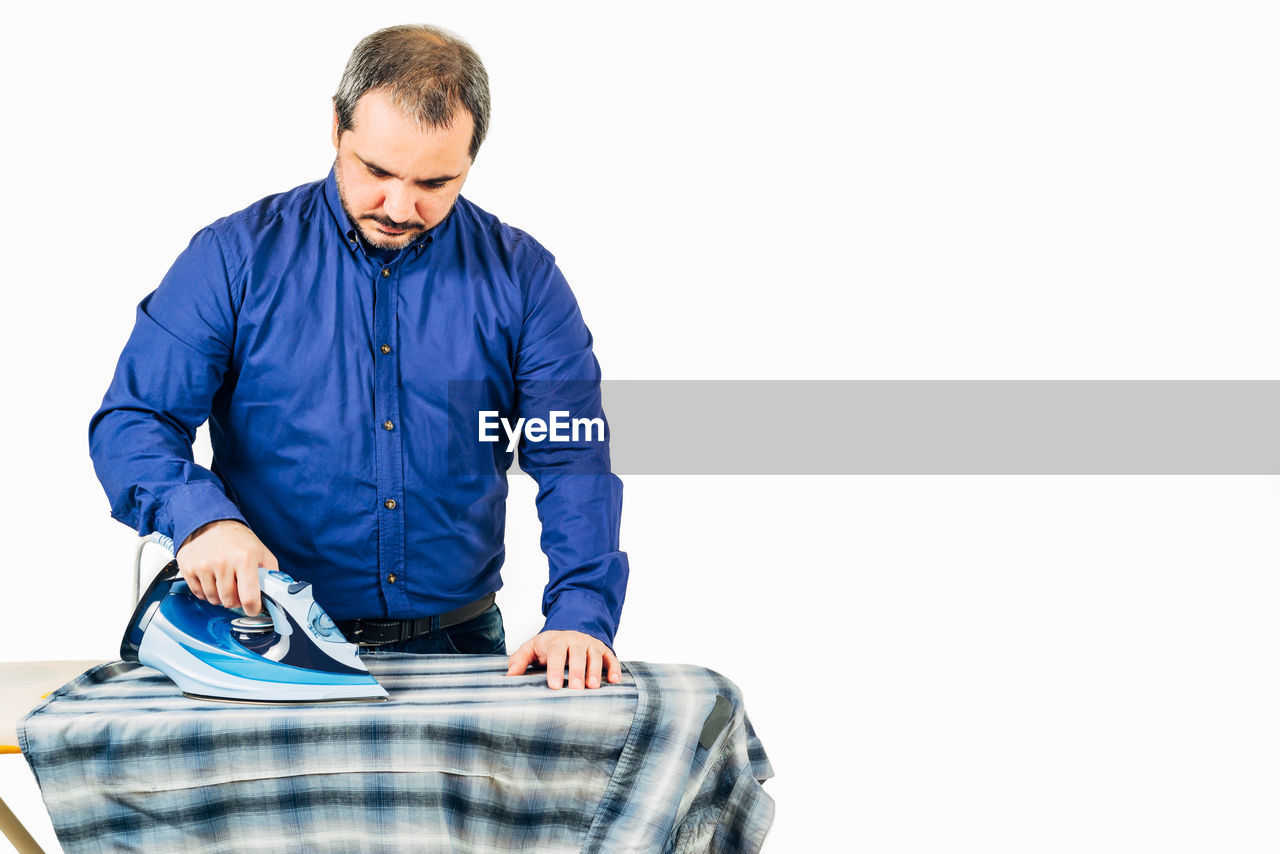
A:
220,561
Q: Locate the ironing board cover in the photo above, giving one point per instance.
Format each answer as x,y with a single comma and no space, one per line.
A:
463,758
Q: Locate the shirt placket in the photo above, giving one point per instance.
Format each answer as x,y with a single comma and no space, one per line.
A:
388,446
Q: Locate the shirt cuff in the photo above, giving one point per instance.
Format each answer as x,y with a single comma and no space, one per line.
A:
195,504
581,611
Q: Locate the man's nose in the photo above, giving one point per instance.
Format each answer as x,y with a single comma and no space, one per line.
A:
398,204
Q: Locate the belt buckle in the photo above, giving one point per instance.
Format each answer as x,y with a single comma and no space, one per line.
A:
364,625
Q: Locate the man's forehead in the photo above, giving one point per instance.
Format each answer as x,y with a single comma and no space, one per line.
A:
386,139
380,108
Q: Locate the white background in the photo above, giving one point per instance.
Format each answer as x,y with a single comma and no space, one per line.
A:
908,190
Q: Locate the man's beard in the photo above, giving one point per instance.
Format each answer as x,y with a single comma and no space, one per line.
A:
378,241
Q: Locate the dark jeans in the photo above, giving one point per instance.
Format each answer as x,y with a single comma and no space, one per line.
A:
483,634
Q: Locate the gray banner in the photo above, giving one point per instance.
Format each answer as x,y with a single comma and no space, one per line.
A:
944,427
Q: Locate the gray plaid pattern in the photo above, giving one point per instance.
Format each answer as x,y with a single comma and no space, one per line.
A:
462,759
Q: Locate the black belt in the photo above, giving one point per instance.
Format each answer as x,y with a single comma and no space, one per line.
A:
378,632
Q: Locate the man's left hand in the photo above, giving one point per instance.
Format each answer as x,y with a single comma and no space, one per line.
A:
584,653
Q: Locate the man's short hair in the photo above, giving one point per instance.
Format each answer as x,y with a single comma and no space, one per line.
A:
427,72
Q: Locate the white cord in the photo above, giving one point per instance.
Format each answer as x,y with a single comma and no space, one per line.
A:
153,539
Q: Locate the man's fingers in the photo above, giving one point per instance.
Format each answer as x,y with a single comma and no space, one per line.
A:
219,562
193,582
585,657
228,597
615,666
250,593
520,659
208,579
594,660
577,665
555,664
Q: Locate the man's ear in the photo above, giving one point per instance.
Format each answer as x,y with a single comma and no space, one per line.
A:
334,133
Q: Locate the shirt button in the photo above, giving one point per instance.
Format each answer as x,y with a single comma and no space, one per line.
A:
385,348
388,425
392,578
386,271
390,504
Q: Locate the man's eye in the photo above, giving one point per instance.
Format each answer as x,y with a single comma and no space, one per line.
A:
435,185
377,173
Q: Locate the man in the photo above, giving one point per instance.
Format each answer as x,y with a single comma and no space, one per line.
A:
333,336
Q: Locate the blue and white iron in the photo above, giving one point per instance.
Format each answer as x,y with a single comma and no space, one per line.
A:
292,653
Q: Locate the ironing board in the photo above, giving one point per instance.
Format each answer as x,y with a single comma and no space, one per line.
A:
462,758
22,685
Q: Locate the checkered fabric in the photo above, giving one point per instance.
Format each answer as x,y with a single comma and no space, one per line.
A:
462,759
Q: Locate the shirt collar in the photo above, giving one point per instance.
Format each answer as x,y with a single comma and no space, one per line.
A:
352,237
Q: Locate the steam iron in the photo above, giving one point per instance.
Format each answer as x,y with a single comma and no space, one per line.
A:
292,653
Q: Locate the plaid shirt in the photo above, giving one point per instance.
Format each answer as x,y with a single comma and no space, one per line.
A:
462,759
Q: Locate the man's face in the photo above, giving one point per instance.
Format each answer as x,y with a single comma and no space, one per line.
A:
395,179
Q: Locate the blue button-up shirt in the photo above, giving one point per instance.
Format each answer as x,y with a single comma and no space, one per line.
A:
343,392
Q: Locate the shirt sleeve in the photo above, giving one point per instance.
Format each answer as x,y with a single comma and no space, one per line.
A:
172,366
579,499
